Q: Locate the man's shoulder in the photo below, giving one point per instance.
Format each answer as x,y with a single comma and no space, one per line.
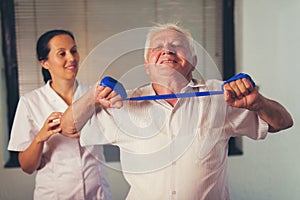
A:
142,90
214,84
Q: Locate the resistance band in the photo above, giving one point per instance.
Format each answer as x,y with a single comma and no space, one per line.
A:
119,88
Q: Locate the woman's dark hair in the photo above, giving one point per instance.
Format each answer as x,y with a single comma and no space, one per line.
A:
42,48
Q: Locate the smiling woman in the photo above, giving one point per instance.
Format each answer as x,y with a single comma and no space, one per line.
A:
61,62
57,160
43,50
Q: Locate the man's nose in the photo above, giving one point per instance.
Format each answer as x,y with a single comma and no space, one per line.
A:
168,50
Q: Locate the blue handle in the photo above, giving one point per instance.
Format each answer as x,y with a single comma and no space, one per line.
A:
239,76
114,85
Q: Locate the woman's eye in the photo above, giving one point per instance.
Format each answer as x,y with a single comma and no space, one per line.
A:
74,51
62,53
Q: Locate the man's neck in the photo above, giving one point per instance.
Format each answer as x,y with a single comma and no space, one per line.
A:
170,88
173,88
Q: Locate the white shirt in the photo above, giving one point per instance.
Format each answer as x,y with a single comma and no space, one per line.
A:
174,152
67,171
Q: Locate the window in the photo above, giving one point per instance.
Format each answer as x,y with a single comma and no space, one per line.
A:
93,21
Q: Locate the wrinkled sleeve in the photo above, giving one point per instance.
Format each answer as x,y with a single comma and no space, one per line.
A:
243,122
23,130
99,129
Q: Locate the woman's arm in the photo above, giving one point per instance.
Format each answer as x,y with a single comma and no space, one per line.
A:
30,159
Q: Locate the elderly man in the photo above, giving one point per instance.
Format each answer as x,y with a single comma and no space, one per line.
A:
175,148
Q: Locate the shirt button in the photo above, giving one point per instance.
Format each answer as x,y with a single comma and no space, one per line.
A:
173,192
174,163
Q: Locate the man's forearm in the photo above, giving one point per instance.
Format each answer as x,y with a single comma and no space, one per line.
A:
78,113
274,114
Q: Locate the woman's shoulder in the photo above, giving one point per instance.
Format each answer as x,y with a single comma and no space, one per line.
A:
81,89
33,94
83,86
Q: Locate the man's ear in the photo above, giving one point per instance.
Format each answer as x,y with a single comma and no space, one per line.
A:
146,63
195,60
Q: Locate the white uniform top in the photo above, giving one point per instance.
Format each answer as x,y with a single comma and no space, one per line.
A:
174,152
67,171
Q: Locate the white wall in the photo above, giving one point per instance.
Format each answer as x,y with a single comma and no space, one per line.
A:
268,48
14,184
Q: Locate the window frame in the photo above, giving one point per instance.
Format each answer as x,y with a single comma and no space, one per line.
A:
11,69
235,143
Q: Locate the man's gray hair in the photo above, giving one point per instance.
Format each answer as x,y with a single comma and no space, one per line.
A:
168,26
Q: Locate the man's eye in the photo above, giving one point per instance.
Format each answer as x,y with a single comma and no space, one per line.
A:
156,48
176,45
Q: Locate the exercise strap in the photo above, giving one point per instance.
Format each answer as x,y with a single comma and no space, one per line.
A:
119,88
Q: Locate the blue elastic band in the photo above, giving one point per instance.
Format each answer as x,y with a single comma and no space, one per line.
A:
175,96
119,88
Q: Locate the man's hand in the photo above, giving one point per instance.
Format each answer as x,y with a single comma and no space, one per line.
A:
107,97
241,94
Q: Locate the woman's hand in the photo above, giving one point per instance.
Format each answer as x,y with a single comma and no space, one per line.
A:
50,127
30,159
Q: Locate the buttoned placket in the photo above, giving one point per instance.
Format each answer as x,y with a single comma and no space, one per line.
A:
79,173
171,111
77,170
172,136
81,165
